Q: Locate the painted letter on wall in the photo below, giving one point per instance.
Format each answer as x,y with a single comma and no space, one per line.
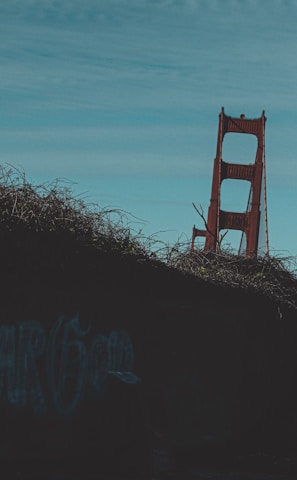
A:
57,370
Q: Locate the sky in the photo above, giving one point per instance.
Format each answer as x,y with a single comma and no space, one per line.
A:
122,97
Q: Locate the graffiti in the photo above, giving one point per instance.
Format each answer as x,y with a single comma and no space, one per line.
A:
67,365
74,366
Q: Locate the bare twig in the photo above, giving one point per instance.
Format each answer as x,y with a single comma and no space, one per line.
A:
217,240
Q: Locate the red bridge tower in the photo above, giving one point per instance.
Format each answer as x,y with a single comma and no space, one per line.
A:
249,221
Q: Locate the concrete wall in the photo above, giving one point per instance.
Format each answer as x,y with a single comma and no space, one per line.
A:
104,359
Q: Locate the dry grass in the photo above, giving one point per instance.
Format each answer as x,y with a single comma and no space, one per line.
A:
271,276
52,208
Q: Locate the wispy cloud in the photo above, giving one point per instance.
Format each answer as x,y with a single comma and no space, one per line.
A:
119,47
134,87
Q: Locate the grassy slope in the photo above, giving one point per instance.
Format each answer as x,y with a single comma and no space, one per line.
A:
52,214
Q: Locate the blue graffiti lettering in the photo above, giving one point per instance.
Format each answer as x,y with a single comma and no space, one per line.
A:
98,365
120,351
66,365
73,367
110,355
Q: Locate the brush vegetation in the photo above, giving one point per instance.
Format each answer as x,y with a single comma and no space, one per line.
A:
52,209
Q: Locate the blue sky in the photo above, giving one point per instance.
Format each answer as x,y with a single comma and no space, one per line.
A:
123,96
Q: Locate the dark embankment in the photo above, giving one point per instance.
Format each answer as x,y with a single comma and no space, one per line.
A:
113,361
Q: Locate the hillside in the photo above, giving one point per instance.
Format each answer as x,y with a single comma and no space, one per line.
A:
50,214
114,349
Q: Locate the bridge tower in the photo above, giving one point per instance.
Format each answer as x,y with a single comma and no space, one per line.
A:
248,222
